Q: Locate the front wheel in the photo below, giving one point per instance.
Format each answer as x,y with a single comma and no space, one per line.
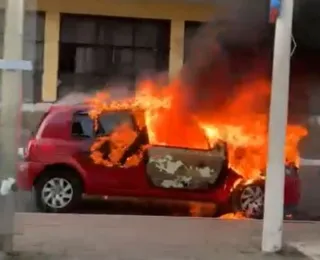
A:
249,199
57,192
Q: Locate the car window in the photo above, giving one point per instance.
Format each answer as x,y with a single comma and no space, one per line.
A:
82,126
108,121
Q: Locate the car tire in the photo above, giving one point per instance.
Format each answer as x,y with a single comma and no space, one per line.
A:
248,199
58,192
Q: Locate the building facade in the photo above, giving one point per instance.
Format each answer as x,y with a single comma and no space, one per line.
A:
82,45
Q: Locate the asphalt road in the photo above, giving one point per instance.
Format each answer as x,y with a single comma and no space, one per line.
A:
70,236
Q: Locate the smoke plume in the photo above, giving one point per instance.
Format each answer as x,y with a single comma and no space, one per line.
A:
225,53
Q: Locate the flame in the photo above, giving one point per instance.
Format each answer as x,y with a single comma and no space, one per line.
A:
197,209
237,215
169,123
122,137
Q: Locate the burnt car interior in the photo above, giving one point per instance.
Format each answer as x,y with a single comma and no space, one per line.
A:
167,167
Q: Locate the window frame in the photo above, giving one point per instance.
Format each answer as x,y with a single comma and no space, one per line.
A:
128,114
95,133
112,68
39,45
193,26
81,137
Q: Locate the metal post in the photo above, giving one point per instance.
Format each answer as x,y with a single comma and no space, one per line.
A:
274,194
11,93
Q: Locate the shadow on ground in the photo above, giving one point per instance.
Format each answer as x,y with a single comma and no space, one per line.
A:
133,206
149,207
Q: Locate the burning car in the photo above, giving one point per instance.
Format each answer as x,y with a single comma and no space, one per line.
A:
201,138
123,148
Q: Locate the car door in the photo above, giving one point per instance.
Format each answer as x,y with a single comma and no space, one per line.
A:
127,176
185,169
99,177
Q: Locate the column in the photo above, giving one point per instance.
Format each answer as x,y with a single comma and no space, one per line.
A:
274,190
176,47
11,69
51,57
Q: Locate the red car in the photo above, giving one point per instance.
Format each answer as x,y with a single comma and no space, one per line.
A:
59,168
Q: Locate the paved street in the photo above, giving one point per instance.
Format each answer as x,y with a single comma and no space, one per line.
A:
100,237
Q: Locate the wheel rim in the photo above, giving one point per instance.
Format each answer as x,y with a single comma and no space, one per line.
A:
251,200
57,193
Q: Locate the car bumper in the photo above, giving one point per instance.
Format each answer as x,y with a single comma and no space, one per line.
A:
27,172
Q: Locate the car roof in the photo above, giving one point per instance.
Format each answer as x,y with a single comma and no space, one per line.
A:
76,107
69,107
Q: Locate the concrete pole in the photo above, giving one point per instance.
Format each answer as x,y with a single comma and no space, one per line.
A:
11,100
274,194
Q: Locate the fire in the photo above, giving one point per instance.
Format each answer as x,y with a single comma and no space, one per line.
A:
197,209
241,124
119,140
237,215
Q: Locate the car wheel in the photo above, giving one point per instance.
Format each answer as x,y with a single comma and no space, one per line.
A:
249,199
58,192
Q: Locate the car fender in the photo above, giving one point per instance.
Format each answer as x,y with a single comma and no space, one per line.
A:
70,162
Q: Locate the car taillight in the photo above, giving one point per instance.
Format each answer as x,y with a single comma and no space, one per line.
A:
26,151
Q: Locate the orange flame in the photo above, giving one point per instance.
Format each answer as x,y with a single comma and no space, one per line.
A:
242,124
237,215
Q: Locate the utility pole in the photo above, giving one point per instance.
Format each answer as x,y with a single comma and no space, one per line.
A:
274,193
11,68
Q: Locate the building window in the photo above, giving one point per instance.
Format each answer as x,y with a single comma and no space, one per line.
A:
32,50
190,29
96,51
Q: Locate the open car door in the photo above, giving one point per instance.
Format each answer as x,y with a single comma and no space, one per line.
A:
181,168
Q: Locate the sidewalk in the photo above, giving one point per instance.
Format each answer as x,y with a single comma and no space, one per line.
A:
103,237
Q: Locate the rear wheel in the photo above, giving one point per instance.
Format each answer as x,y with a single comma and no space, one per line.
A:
58,192
249,199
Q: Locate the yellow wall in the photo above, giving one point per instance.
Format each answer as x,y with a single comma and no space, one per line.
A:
51,56
176,47
173,10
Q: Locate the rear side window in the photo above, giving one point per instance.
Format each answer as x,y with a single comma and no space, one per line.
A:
82,126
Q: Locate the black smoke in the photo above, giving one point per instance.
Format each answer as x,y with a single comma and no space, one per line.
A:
224,52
